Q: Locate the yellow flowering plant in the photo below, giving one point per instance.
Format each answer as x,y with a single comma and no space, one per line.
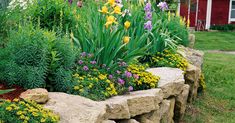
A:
167,58
23,111
90,79
142,79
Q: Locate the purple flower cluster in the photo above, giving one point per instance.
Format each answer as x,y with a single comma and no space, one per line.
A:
93,62
148,16
128,74
85,68
121,81
163,6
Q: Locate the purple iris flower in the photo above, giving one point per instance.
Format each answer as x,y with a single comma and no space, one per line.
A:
148,16
148,25
163,6
85,68
130,88
80,62
121,81
128,74
147,7
93,62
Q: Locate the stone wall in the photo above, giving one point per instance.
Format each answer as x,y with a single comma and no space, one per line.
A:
165,104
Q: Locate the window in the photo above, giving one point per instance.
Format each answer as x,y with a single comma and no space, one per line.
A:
232,11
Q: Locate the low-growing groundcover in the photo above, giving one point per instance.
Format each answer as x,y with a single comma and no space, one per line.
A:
19,111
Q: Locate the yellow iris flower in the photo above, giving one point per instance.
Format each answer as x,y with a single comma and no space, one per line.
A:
127,24
104,10
117,10
110,20
126,39
111,2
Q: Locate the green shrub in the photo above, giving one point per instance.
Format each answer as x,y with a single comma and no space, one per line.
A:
226,27
35,58
53,15
25,112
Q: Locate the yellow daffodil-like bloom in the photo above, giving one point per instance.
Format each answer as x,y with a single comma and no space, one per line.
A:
117,10
110,20
126,39
111,2
127,24
104,10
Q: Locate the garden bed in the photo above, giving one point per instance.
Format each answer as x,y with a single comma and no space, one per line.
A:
121,60
166,103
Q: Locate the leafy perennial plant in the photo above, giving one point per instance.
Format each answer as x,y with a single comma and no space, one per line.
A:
98,82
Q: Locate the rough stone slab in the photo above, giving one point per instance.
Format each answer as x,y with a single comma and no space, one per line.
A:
171,80
191,40
193,56
180,103
128,121
108,121
192,79
39,95
168,116
162,115
75,109
135,103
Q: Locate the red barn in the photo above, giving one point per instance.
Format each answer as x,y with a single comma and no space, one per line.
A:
204,13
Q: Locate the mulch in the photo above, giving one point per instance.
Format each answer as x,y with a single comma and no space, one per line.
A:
13,94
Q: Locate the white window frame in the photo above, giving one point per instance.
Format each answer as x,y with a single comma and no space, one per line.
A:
230,12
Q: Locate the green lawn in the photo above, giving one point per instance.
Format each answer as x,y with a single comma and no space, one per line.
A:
217,104
215,40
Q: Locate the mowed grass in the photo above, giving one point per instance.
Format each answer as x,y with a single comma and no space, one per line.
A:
217,103
215,40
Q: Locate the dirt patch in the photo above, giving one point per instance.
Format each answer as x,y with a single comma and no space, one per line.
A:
11,95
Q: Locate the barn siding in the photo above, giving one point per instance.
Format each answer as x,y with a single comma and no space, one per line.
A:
202,9
220,12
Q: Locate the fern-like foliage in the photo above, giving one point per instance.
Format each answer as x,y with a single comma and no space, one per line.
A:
37,58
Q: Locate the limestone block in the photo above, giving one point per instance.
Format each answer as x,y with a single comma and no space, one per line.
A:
75,109
39,95
171,80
